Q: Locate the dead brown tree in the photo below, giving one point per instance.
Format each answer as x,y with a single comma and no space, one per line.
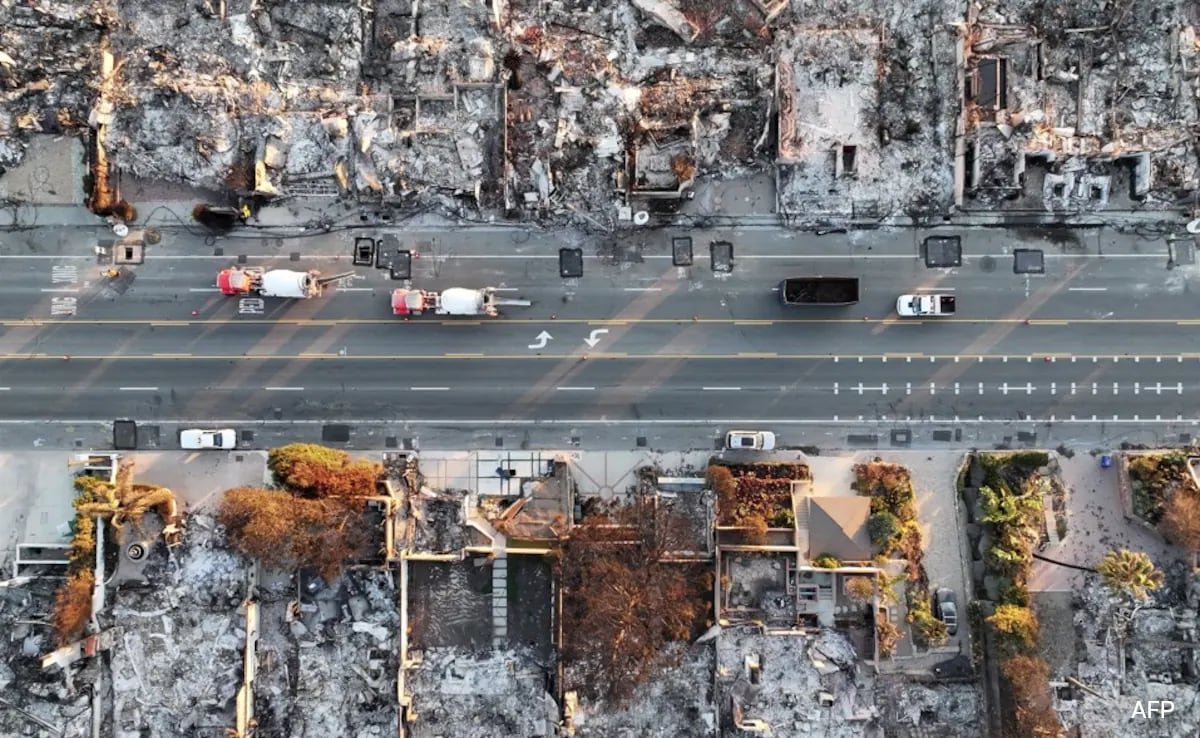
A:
625,598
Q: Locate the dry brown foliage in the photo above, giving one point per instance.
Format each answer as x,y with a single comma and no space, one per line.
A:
747,492
317,471
73,606
622,602
1181,520
283,531
887,635
1028,679
860,588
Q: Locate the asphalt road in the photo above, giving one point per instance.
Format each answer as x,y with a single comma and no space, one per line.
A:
1107,334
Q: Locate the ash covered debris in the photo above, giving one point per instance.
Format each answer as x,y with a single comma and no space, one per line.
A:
471,694
175,660
864,97
1089,106
1128,654
32,700
792,683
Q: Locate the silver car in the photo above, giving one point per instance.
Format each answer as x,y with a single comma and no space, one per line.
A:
947,610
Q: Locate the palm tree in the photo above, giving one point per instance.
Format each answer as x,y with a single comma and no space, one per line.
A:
1130,573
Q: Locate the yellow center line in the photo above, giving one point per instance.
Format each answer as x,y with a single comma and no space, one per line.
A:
754,322
173,356
462,356
758,355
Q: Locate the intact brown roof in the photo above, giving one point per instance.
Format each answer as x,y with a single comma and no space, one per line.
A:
838,526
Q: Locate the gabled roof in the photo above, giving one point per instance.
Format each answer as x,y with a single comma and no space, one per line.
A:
838,526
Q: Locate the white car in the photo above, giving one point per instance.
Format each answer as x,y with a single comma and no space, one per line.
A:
752,440
197,439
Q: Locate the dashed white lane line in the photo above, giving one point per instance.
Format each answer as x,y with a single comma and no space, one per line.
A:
717,389
1004,388
139,389
1179,388
575,389
1087,289
1158,388
1054,388
1072,388
1029,388
1094,388
981,388
932,388
956,388
908,388
1116,388
284,389
643,289
203,289
835,388
69,290
429,389
1137,388
5,389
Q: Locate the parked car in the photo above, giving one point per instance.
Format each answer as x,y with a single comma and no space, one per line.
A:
198,440
750,440
947,610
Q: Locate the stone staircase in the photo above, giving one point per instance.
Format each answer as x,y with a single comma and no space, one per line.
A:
800,508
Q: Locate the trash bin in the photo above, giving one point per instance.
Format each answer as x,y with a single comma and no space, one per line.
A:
1105,461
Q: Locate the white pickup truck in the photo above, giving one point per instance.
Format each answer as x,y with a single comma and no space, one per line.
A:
920,306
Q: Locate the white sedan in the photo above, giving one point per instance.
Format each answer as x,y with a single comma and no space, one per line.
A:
752,440
197,439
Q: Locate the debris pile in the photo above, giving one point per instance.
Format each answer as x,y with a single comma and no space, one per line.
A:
178,642
473,694
792,684
1132,654
1083,107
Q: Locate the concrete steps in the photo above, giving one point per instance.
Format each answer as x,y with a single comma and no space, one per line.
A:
500,597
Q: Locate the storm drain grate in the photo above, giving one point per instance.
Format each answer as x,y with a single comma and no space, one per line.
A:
364,251
863,439
943,435
901,437
499,441
391,442
641,442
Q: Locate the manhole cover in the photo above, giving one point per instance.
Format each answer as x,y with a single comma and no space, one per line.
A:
1029,261
137,552
943,252
988,264
364,251
901,437
1183,252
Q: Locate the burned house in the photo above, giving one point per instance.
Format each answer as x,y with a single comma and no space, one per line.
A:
1076,110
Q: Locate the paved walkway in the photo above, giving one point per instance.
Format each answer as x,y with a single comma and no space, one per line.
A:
1095,525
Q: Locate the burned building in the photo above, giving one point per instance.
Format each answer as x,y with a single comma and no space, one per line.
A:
1078,109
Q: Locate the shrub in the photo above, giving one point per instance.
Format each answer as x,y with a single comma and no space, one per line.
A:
82,553
860,588
890,489
73,606
1018,625
756,529
1027,462
316,471
887,635
827,561
931,630
785,518
883,527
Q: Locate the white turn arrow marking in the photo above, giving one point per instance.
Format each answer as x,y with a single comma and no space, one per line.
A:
542,339
594,339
